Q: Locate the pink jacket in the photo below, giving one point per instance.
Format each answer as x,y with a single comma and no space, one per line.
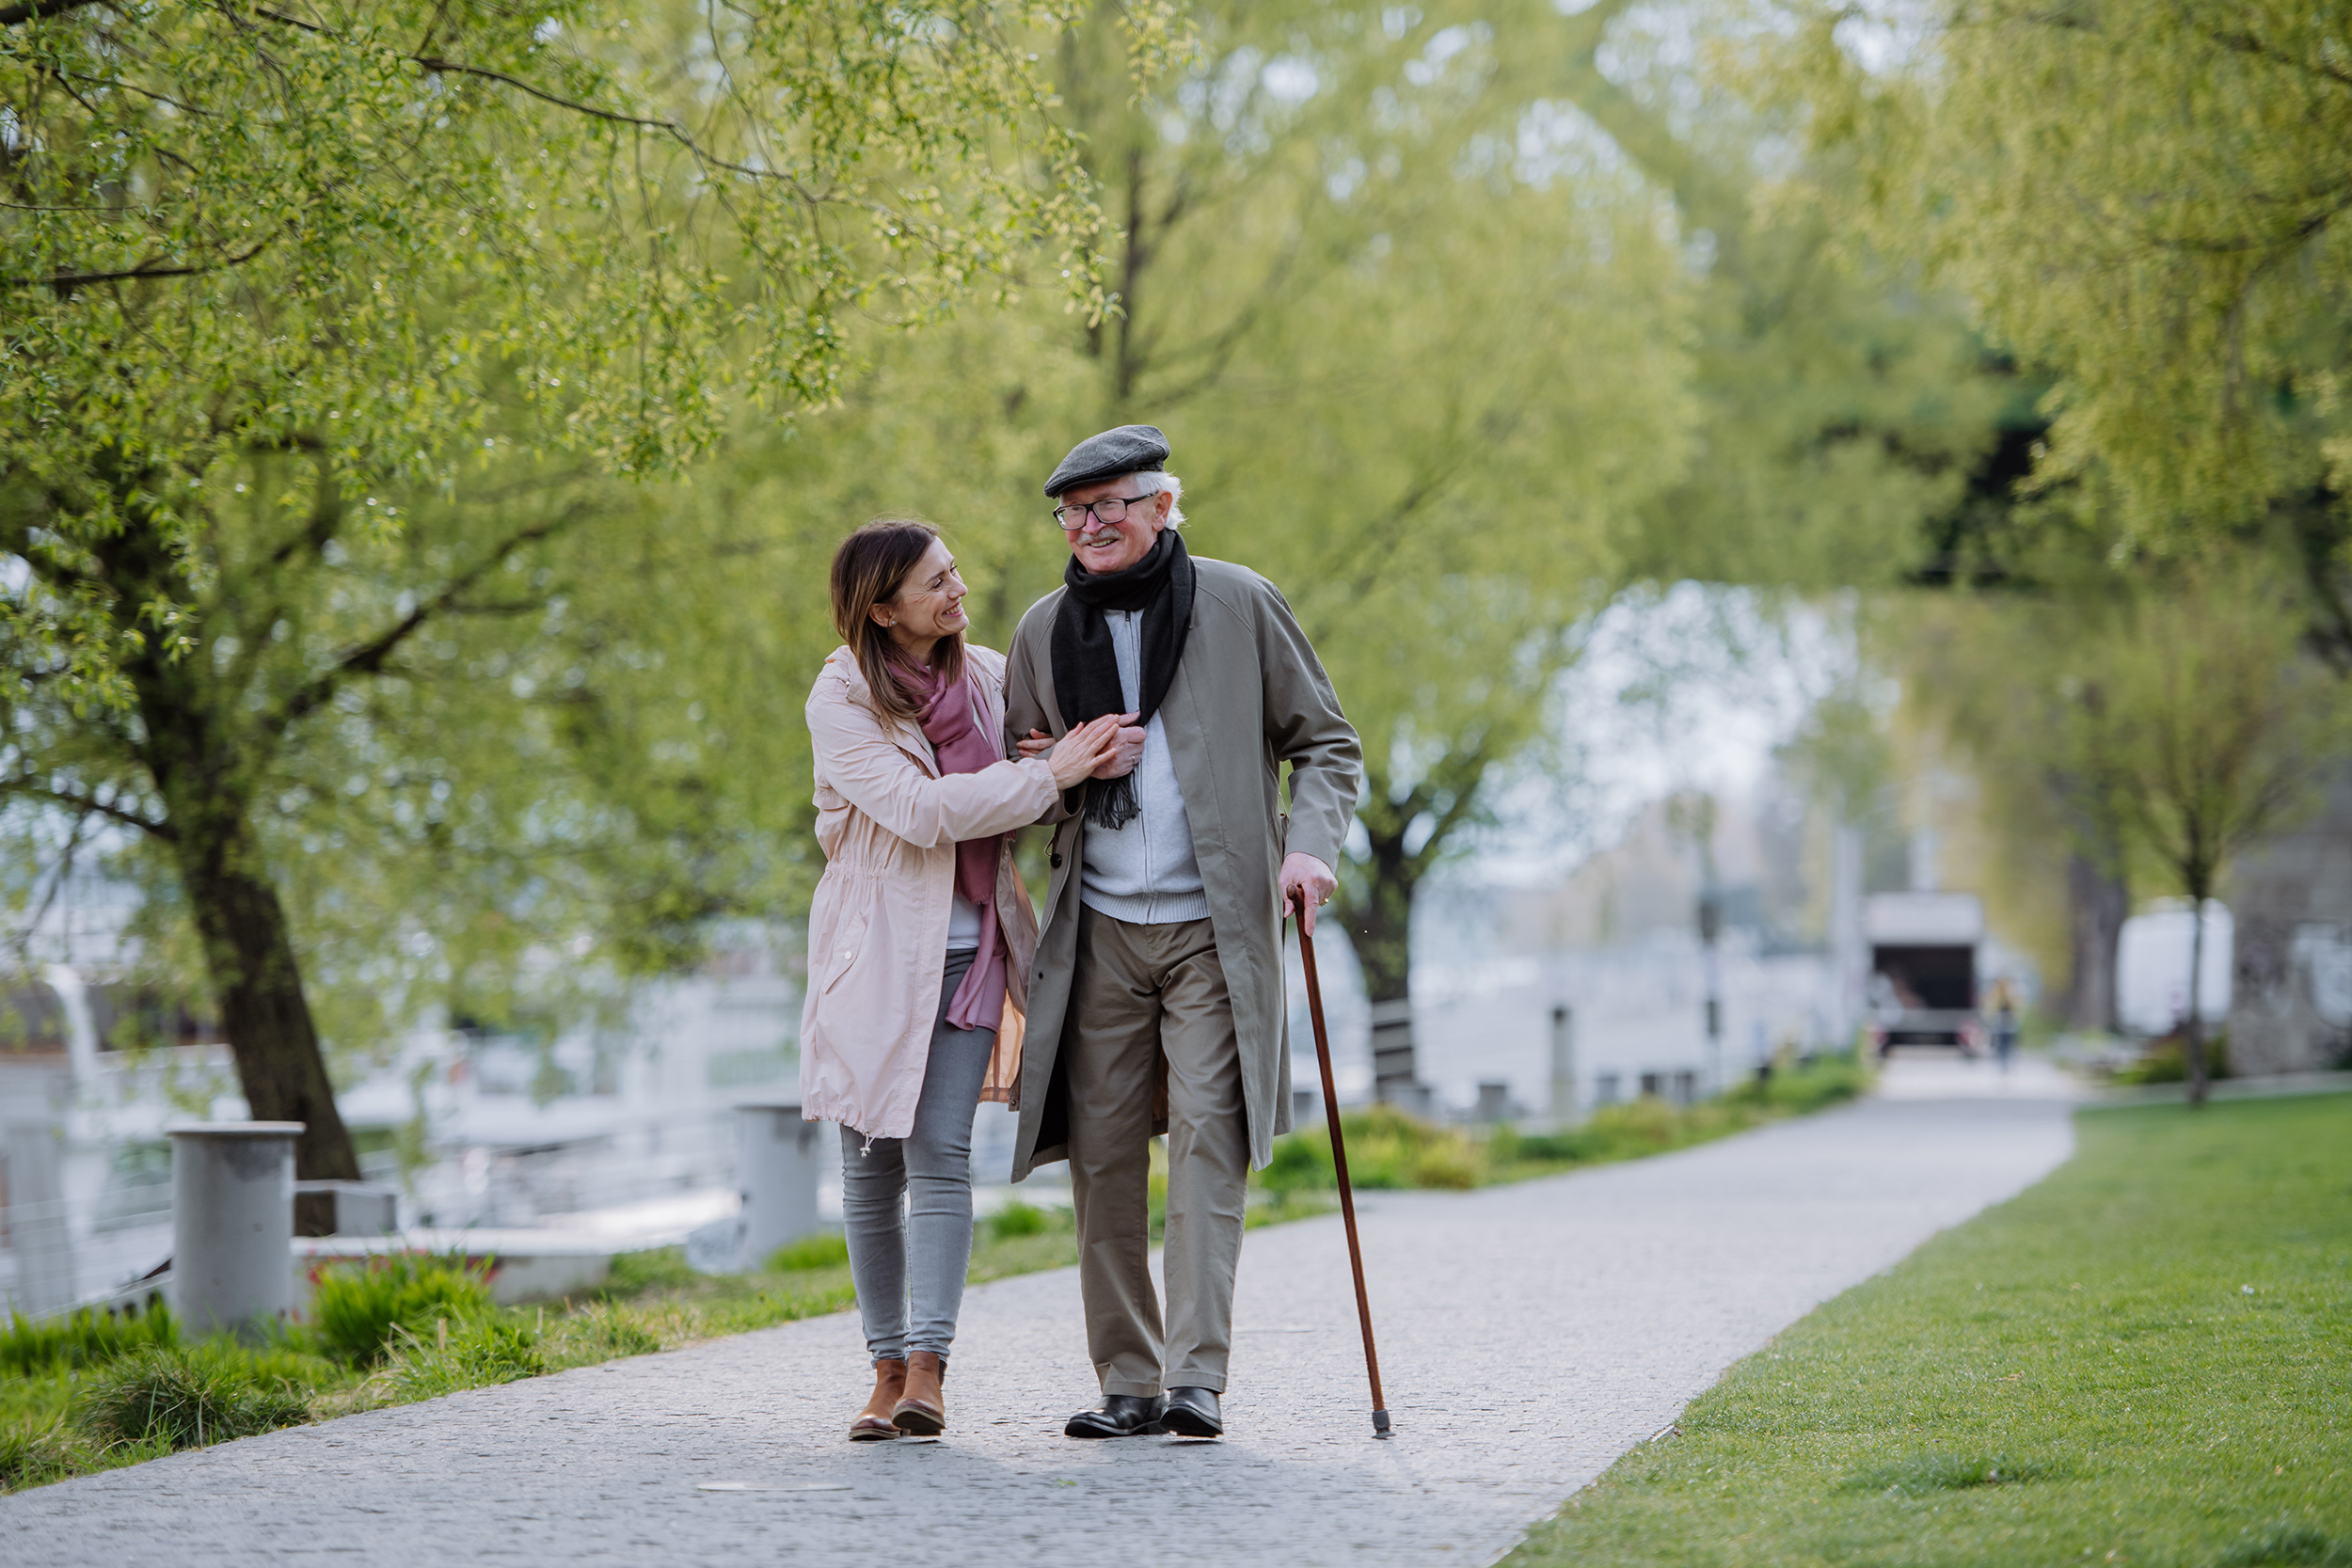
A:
878,931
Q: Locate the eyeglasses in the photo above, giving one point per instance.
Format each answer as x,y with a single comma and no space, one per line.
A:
1111,509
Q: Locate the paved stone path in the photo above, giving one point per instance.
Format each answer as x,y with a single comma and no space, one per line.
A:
1528,1335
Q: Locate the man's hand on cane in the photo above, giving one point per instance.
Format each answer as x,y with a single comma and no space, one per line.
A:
1306,886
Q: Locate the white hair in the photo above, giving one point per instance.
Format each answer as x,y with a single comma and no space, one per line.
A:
1153,482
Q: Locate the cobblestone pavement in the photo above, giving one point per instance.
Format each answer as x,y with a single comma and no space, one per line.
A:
1528,1335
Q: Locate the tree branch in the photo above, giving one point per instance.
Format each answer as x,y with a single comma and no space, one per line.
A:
39,11
88,805
366,658
64,282
459,68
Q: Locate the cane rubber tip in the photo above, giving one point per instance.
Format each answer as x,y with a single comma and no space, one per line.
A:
1380,1423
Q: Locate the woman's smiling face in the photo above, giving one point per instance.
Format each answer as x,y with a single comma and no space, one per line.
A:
928,604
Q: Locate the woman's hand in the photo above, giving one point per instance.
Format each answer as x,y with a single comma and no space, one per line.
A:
1077,755
1121,761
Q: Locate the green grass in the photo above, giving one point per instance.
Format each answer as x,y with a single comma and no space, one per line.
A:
360,1313
83,1338
2147,1359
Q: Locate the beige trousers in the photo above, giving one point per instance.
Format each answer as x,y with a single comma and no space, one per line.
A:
1142,994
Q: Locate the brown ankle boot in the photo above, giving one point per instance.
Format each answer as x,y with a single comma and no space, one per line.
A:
923,1410
873,1424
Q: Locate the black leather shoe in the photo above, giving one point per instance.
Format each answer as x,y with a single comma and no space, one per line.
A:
1122,1415
1193,1413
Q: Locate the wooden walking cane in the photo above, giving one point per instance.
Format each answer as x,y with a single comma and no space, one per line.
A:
1339,1165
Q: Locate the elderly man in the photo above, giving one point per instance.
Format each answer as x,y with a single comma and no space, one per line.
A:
1157,1002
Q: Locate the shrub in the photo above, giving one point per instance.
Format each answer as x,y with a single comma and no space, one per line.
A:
662,1269
823,1250
1823,1081
1450,1165
2166,1061
1016,1219
84,1338
1386,1147
465,1354
1301,1163
358,1312
186,1397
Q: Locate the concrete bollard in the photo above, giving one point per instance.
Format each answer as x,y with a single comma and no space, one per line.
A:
779,1159
1565,1111
233,1225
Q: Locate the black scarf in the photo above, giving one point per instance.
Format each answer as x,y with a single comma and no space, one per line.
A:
1085,667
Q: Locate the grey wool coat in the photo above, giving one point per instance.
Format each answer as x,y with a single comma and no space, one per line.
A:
1248,696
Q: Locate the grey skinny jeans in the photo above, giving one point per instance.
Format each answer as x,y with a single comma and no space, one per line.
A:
929,1250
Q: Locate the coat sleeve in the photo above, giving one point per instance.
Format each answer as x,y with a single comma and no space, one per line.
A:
1304,728
857,757
1028,687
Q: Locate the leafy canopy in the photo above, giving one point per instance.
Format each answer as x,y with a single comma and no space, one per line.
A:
353,231
2147,197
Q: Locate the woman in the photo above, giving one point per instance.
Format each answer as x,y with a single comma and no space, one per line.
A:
919,940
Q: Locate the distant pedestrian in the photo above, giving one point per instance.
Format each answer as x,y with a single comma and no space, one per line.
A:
2004,1024
920,939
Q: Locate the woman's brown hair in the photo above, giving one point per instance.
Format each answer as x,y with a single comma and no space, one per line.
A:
869,569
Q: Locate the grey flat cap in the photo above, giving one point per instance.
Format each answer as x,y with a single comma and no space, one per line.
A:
1132,449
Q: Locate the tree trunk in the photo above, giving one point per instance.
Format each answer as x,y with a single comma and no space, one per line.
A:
258,985
1377,909
2196,1040
202,765
2097,903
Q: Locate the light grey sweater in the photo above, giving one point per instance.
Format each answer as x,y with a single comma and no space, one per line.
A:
1144,873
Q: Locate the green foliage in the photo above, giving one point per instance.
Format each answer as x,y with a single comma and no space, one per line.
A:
2145,200
823,1250
188,1396
593,1335
2152,1350
1807,1086
29,1456
361,1311
663,1268
84,1338
465,1354
2166,1061
1388,1148
328,339
1017,1219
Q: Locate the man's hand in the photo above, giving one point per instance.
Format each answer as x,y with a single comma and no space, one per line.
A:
1307,885
1124,755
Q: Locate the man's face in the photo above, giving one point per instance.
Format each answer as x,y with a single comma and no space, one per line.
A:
1102,546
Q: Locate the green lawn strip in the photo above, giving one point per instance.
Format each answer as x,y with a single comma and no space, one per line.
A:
2145,1359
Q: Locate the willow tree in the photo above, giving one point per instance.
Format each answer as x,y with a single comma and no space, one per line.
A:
271,274
2148,199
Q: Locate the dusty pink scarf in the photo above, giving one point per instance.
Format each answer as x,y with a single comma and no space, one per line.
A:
951,722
